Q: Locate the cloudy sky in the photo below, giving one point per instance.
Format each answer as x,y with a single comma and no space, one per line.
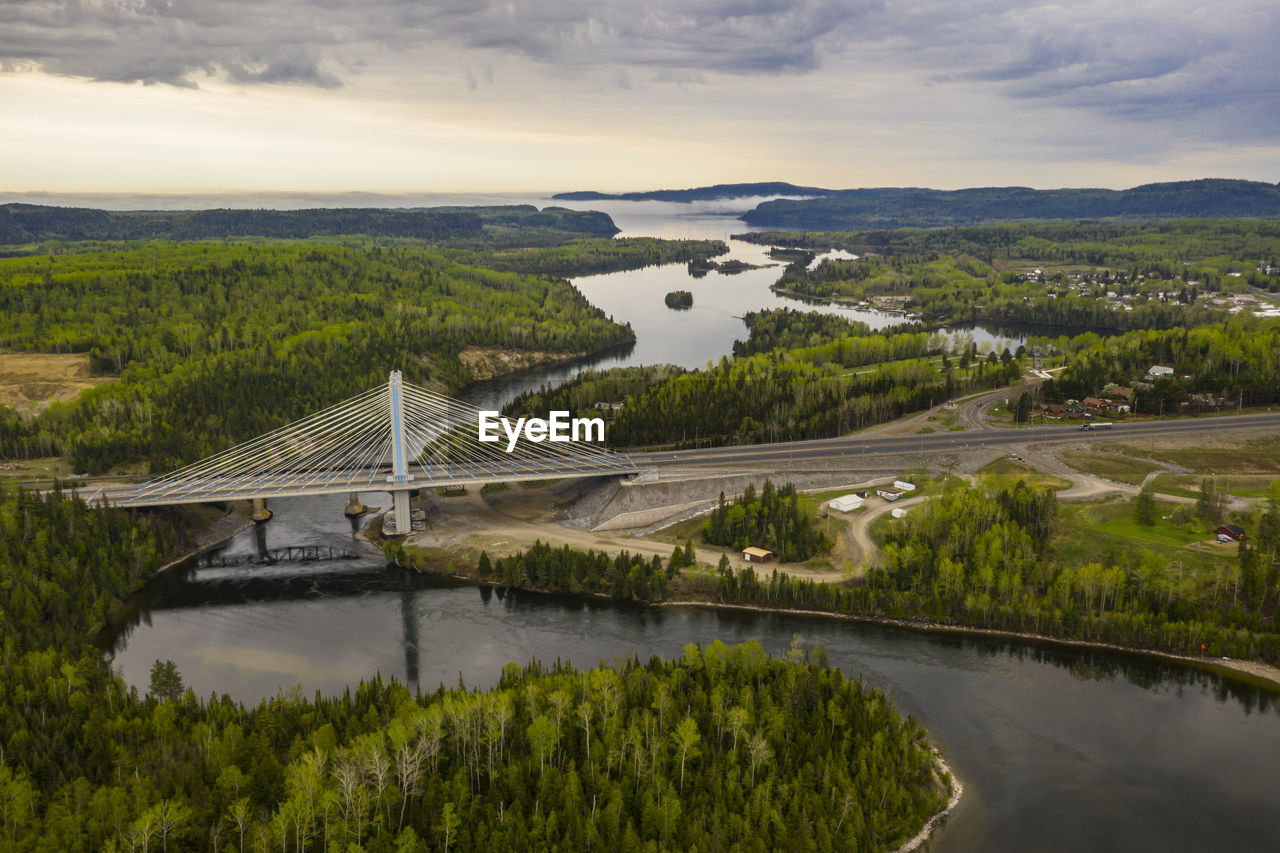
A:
530,95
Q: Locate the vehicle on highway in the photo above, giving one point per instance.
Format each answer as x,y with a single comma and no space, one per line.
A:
1102,425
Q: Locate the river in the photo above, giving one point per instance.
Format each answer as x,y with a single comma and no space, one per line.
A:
1058,749
704,333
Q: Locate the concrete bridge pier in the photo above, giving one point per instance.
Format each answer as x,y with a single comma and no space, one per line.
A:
260,511
354,507
403,514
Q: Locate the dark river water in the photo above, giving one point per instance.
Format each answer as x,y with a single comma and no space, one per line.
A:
1058,749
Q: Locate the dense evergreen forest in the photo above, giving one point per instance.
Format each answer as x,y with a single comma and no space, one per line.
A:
589,256
214,343
30,223
804,393
787,328
720,748
581,393
893,207
777,519
1231,364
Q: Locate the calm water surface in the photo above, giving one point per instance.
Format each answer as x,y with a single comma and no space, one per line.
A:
1058,750
704,333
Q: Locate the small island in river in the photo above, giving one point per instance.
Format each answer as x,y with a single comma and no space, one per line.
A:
679,300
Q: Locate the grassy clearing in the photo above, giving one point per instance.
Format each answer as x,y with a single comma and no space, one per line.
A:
30,381
1241,485
1119,469
677,534
1006,468
27,470
1255,456
1093,531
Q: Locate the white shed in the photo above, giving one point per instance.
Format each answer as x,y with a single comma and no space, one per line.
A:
845,503
904,485
899,511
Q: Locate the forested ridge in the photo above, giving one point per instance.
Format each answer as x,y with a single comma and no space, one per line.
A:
589,256
721,748
894,207
30,223
1158,247
802,393
214,343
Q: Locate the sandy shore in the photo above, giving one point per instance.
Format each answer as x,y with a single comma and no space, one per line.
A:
957,791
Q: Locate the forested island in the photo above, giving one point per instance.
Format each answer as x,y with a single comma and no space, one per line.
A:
679,299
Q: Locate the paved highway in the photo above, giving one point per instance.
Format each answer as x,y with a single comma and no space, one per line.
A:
986,436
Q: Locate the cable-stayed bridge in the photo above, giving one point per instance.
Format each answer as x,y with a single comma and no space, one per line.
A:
395,438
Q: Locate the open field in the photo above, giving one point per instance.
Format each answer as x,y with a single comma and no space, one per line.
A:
1005,467
31,381
1252,456
1241,485
1109,466
1089,532
28,470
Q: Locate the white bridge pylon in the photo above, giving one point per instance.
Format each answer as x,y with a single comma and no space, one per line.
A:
394,438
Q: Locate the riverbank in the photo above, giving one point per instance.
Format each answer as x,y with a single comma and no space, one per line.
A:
220,530
956,788
1252,672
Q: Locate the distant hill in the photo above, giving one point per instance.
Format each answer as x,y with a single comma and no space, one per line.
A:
30,223
907,207
719,191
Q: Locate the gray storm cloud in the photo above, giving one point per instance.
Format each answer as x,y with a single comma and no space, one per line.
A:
1137,59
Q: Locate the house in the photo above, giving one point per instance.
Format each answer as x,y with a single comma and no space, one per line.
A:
1234,532
904,485
1095,404
899,511
1159,371
845,503
889,493
1055,411
1123,393
756,555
